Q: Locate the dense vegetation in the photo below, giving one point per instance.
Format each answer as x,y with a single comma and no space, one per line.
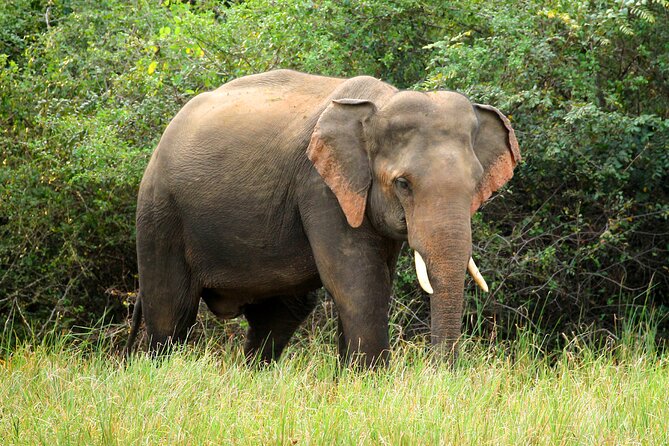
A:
578,242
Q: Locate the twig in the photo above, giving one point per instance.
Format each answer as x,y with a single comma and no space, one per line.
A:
57,305
46,17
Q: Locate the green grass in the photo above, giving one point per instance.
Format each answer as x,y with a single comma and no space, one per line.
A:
512,394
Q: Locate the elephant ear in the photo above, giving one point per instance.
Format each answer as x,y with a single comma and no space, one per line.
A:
337,149
497,150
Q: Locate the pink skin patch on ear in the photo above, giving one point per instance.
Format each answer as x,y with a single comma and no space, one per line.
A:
501,170
497,175
352,202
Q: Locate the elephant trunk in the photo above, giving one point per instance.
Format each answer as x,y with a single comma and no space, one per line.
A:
444,246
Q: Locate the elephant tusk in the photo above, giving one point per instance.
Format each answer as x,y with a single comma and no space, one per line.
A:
421,272
476,274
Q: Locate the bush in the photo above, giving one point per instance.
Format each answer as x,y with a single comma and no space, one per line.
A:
577,241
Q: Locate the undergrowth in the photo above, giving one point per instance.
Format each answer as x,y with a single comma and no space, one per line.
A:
77,389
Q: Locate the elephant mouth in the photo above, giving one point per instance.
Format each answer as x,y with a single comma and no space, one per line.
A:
424,280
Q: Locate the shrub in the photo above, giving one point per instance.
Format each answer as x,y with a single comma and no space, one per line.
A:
576,241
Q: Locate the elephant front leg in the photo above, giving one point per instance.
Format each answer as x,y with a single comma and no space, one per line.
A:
355,266
363,327
357,276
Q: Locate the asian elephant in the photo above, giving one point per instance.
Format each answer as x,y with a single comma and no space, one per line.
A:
276,184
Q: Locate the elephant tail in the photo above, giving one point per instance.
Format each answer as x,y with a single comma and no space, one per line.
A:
134,327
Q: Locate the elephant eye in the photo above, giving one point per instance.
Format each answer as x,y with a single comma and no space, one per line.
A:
402,184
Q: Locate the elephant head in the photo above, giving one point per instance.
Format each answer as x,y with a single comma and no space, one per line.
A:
418,166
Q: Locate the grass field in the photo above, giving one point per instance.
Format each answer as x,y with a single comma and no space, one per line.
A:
512,394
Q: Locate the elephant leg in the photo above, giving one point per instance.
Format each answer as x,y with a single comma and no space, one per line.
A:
354,267
363,322
169,303
272,323
170,295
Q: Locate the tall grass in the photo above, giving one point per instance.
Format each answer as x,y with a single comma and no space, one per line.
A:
61,393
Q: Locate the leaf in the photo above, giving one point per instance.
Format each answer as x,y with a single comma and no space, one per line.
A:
152,67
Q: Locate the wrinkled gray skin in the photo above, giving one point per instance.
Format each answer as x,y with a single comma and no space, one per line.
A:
233,210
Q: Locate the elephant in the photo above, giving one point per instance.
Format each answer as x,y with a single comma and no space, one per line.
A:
277,184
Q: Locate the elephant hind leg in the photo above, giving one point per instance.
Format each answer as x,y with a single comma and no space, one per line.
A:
170,294
169,322
170,300
272,322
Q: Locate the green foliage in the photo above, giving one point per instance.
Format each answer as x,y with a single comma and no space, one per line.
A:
576,240
377,37
21,21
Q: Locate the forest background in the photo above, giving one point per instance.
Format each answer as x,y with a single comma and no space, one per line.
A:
576,244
